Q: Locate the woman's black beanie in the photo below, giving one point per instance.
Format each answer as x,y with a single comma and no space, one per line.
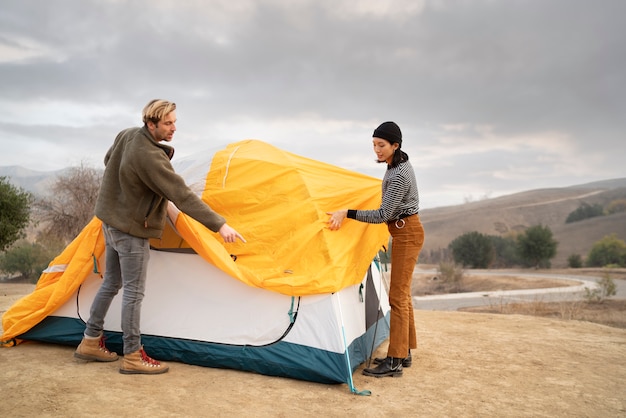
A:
389,131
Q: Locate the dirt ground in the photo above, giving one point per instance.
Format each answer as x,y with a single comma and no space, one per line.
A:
467,365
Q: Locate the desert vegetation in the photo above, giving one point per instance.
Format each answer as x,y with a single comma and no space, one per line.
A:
56,219
595,305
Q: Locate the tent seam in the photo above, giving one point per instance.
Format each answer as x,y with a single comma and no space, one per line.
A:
230,157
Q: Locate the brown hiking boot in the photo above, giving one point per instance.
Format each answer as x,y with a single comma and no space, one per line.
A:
93,349
140,363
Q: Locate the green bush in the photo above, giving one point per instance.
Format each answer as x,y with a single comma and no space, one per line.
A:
584,211
609,250
26,259
575,261
616,206
506,254
473,249
14,212
606,290
536,246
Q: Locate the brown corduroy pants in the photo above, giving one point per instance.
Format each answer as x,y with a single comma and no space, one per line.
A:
407,241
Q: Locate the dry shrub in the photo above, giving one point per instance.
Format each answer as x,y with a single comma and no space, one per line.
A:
570,310
611,312
535,307
449,277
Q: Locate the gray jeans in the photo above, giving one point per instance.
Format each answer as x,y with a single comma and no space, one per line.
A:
125,266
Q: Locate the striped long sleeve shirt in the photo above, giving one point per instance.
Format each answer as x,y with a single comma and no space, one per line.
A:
399,196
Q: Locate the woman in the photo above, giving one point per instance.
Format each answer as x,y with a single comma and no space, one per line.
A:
399,209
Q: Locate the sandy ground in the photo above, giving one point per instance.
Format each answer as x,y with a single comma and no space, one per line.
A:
467,365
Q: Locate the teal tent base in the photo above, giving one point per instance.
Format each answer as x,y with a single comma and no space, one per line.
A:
277,359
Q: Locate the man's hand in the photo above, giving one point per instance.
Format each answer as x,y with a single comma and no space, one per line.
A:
229,234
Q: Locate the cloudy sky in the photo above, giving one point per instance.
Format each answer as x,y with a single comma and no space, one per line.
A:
493,96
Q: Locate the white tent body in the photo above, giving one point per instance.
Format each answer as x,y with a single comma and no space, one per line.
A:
195,313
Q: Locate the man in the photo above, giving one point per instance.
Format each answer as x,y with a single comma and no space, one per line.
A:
137,184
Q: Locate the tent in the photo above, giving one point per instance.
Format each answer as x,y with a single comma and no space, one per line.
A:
297,300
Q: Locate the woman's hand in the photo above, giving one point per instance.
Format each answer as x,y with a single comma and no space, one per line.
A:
336,218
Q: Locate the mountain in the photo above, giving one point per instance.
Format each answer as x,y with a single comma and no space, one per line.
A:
36,182
497,216
513,213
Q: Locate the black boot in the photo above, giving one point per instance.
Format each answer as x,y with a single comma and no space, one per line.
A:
406,362
390,366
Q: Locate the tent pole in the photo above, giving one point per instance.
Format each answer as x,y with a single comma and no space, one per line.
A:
380,284
345,346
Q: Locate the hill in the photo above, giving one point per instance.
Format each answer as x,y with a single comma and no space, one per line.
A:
513,213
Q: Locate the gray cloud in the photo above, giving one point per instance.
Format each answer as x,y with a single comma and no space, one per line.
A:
493,97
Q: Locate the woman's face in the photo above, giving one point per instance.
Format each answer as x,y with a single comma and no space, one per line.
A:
384,149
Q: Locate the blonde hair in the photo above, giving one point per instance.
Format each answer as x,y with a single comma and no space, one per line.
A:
156,110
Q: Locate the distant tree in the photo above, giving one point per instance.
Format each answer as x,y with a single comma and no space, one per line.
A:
473,249
584,211
71,205
14,213
616,206
610,250
506,254
536,246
